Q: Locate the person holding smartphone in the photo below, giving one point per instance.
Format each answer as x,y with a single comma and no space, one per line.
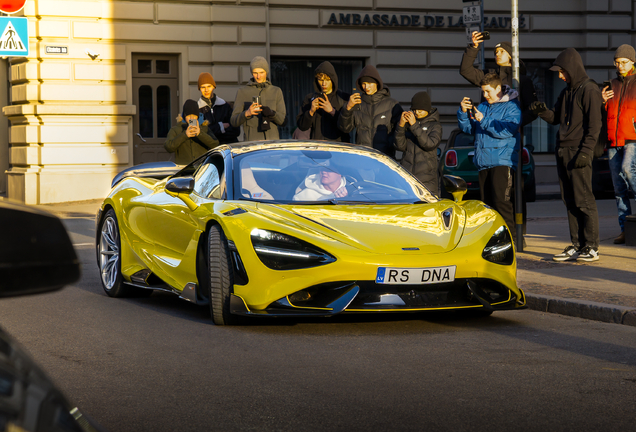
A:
374,114
259,106
619,99
189,139
503,58
321,109
418,135
495,125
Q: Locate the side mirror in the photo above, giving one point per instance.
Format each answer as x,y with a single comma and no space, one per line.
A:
180,185
36,253
456,186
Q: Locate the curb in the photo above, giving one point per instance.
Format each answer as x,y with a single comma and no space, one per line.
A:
583,309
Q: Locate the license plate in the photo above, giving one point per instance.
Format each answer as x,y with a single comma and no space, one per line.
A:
415,276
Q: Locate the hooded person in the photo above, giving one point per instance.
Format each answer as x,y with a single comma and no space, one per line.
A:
577,111
321,109
216,111
418,135
259,106
188,139
495,125
374,114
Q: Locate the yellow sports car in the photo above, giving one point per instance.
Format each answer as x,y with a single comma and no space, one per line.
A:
289,228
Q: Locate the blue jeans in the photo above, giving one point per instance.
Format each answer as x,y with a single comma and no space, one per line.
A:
622,163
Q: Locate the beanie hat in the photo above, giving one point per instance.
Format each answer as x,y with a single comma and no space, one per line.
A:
206,78
507,46
259,62
421,101
368,79
625,51
190,107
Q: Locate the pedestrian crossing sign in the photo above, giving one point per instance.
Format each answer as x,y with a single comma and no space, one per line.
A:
14,39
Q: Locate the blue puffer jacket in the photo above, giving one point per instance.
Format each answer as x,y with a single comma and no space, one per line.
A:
497,135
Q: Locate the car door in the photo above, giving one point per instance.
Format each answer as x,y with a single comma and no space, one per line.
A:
176,226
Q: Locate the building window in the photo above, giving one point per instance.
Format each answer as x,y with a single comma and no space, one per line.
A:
163,66
163,111
145,111
144,66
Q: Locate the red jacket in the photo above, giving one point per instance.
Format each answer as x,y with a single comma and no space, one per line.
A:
621,111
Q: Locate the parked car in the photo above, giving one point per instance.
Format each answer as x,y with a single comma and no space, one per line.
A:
457,159
36,256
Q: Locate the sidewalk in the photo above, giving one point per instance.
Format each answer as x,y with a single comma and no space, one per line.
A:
604,290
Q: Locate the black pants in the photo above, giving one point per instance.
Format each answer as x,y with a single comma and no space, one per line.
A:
496,187
576,192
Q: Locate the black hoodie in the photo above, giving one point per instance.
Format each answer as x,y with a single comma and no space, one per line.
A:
324,126
376,118
580,125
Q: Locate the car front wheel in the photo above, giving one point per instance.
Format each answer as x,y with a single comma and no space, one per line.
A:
221,277
109,260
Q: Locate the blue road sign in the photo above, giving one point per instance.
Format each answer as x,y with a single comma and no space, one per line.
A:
14,39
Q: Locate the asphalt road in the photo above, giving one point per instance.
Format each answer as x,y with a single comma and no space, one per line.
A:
159,364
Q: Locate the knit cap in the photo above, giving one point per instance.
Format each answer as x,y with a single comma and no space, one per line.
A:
368,79
190,107
206,78
421,101
507,46
259,62
625,51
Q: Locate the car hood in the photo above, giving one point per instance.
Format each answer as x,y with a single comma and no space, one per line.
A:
387,229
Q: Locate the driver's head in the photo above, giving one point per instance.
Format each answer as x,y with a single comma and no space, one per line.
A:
329,175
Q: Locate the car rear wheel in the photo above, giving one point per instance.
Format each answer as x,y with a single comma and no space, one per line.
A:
221,277
109,260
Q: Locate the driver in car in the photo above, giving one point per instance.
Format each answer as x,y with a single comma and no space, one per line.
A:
325,184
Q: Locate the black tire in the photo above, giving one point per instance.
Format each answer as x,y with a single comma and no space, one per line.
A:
108,249
221,277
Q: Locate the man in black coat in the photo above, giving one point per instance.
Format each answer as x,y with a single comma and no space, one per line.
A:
374,114
321,109
216,111
578,113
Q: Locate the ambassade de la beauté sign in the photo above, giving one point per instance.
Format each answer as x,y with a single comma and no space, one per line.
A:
414,20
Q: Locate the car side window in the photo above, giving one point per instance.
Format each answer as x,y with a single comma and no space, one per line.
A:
208,179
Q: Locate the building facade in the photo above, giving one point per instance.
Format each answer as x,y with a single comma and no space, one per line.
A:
105,80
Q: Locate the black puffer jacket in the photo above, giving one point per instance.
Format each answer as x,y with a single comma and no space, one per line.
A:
527,93
217,112
580,125
376,117
323,125
419,143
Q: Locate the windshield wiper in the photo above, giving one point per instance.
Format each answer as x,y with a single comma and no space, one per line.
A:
335,201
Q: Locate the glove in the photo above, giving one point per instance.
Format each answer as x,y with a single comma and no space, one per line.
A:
582,160
267,111
538,107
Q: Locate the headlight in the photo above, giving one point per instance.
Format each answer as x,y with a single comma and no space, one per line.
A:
499,248
283,252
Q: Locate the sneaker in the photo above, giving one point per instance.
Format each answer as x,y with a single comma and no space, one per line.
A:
588,254
569,254
620,239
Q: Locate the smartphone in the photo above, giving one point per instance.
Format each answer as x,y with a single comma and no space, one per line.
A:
607,83
193,122
357,106
256,100
486,35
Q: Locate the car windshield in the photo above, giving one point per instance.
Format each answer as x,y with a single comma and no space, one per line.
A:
464,140
332,175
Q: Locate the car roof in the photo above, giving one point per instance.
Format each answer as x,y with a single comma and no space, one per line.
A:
291,144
